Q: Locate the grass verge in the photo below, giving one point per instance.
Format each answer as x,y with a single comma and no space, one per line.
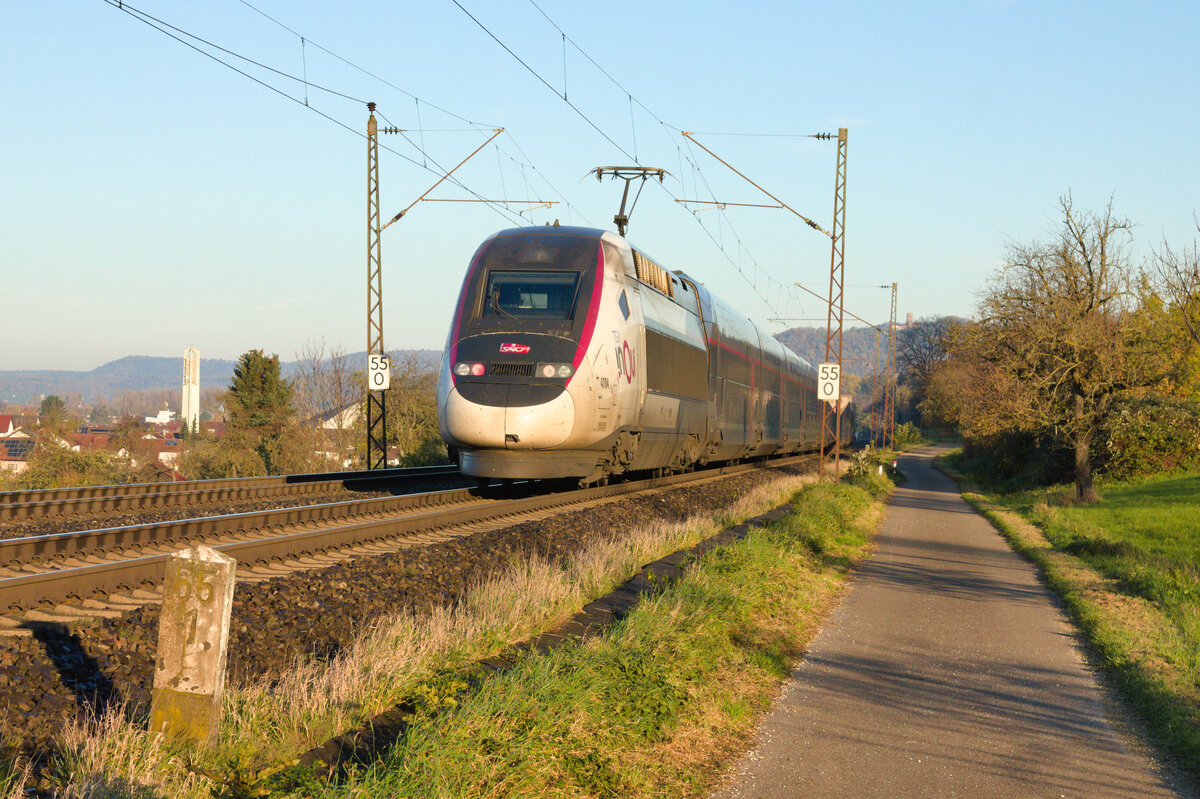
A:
427,656
655,706
1126,570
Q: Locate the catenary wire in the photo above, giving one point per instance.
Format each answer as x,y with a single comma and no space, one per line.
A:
162,25
169,30
365,71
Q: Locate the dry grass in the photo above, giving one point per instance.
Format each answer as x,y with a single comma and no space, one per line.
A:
14,780
267,722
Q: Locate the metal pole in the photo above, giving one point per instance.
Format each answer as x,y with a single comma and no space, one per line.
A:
831,414
889,416
376,408
874,392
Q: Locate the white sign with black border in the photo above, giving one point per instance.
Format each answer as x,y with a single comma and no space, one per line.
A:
379,372
829,380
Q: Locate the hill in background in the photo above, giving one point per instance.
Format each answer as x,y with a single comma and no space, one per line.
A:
139,373
858,347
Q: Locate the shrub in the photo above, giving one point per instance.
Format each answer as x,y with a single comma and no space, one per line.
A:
906,435
51,466
1151,435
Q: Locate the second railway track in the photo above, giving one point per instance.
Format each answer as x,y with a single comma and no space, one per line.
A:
45,571
49,503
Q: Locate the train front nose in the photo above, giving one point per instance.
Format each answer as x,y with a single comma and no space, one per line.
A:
508,415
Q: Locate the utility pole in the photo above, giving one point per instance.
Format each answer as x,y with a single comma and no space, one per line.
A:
376,408
831,412
875,391
889,413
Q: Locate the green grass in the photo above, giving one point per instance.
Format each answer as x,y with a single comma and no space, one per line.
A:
1143,535
656,705
1128,569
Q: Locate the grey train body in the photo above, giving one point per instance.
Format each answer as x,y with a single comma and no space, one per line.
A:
572,354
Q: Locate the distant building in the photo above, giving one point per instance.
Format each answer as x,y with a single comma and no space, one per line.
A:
11,427
14,454
164,416
89,441
21,417
190,415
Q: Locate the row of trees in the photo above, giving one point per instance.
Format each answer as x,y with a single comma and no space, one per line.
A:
1070,330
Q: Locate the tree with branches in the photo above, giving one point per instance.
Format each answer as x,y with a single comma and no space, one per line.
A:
1065,329
1179,273
325,388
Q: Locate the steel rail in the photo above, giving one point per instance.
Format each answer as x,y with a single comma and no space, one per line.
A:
15,552
60,585
59,501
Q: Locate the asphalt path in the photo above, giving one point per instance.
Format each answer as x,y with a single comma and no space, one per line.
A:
948,671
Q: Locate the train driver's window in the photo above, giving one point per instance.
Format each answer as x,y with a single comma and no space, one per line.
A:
542,295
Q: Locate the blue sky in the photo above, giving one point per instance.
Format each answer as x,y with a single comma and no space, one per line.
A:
154,199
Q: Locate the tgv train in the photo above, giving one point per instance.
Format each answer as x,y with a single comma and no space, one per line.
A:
572,354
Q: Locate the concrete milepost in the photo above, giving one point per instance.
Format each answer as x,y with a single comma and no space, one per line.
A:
193,639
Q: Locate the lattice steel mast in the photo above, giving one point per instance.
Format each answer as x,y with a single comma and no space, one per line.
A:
831,413
376,408
889,412
874,392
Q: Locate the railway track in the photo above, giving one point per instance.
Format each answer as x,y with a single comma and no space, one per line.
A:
65,577
19,505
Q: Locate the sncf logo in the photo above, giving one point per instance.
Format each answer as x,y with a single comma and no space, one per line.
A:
514,348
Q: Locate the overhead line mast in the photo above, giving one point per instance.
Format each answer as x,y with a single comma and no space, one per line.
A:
831,413
889,412
376,409
874,392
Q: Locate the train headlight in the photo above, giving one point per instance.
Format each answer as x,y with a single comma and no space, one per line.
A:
553,370
474,369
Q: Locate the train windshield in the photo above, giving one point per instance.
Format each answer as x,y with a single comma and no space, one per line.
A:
512,294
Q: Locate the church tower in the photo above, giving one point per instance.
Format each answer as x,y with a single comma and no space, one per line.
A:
190,415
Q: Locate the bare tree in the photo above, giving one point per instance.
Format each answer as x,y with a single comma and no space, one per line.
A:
326,397
413,406
1063,336
921,346
1179,272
